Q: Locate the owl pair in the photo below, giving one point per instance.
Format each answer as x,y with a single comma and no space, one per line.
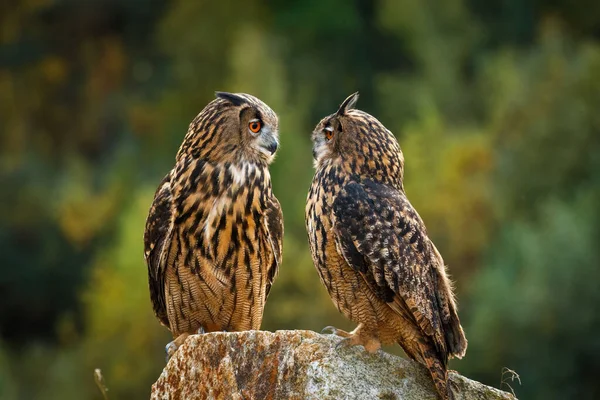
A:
213,239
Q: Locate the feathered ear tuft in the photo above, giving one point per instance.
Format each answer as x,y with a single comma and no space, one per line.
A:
348,104
233,98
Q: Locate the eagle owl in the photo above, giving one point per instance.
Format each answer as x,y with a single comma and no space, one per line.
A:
213,234
371,248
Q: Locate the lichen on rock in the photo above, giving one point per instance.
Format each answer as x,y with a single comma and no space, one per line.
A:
298,365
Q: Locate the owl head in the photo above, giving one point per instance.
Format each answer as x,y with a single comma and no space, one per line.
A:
359,143
235,128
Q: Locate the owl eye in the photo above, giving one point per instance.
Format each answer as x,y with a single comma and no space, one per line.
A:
329,133
255,126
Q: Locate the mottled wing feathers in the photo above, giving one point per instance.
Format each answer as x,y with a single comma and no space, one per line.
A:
158,229
274,227
380,235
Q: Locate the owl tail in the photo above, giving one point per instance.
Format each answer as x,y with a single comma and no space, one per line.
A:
438,371
456,341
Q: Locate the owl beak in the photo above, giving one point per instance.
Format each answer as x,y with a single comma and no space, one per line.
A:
268,144
272,147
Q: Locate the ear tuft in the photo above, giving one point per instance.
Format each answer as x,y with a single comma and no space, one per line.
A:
233,98
348,104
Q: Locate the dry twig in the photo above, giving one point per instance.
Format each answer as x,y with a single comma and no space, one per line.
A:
99,379
509,375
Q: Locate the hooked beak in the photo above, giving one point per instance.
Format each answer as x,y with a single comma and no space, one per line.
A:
272,147
268,144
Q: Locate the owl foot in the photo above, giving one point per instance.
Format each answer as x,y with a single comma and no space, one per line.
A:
172,347
201,331
355,338
371,345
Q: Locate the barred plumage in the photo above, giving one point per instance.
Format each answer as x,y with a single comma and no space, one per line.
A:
371,248
213,234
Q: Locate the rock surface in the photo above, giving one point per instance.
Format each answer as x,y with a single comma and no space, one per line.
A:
297,365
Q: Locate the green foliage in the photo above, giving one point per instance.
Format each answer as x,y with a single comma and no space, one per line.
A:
120,330
494,104
447,177
533,311
533,300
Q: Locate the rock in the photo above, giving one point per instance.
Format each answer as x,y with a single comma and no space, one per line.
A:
297,365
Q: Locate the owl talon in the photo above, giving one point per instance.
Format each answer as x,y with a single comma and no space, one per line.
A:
201,331
345,342
335,331
170,349
331,330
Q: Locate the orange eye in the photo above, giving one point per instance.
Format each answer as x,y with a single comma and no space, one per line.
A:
255,126
329,133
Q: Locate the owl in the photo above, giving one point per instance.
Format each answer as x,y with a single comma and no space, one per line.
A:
213,235
371,248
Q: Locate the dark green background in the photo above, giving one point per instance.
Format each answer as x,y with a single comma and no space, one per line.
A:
496,105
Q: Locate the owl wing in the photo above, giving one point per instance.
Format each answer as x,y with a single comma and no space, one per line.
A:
380,235
158,232
273,225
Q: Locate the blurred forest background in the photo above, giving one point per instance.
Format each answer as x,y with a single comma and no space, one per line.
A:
496,105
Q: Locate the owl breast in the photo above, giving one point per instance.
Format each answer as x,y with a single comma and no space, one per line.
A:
221,253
